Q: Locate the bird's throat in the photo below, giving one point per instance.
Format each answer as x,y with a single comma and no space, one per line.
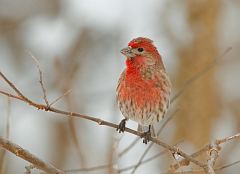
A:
132,68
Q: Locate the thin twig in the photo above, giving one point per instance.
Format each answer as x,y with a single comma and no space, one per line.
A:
227,166
57,99
216,169
227,139
24,154
40,77
20,95
208,147
11,95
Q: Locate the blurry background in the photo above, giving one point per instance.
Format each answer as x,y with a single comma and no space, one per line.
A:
77,43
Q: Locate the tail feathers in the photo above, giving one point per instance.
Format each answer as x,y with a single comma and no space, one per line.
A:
153,134
140,128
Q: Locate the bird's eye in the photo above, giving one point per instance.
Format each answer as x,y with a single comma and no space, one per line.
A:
140,49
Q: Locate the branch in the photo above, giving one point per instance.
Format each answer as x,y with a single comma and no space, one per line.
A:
60,97
208,147
150,146
98,121
213,157
130,146
24,154
101,167
216,169
227,139
40,77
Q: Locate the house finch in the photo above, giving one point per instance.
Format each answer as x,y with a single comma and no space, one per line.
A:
143,91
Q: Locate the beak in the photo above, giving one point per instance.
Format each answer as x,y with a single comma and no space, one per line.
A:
127,52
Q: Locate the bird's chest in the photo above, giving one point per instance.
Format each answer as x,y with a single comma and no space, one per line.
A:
139,90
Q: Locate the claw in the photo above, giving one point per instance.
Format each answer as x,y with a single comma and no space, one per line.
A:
146,135
122,125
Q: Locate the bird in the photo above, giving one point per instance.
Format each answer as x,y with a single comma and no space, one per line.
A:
144,88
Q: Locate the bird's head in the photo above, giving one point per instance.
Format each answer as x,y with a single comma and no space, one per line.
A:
141,51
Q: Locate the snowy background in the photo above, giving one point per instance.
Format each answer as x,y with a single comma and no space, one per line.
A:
78,43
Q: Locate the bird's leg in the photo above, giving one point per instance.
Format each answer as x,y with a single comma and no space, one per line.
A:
122,125
146,135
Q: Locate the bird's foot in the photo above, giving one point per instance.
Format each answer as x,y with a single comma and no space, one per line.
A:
122,125
146,137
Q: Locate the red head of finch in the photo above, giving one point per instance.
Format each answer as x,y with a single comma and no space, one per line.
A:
143,91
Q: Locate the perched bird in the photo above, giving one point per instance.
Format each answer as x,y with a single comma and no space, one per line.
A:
143,91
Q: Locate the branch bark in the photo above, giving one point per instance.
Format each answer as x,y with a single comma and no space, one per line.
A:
212,148
24,154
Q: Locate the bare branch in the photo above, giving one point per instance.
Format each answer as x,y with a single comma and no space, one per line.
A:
102,167
24,154
47,107
40,77
100,122
216,169
205,148
228,165
11,95
20,95
60,97
227,139
213,157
